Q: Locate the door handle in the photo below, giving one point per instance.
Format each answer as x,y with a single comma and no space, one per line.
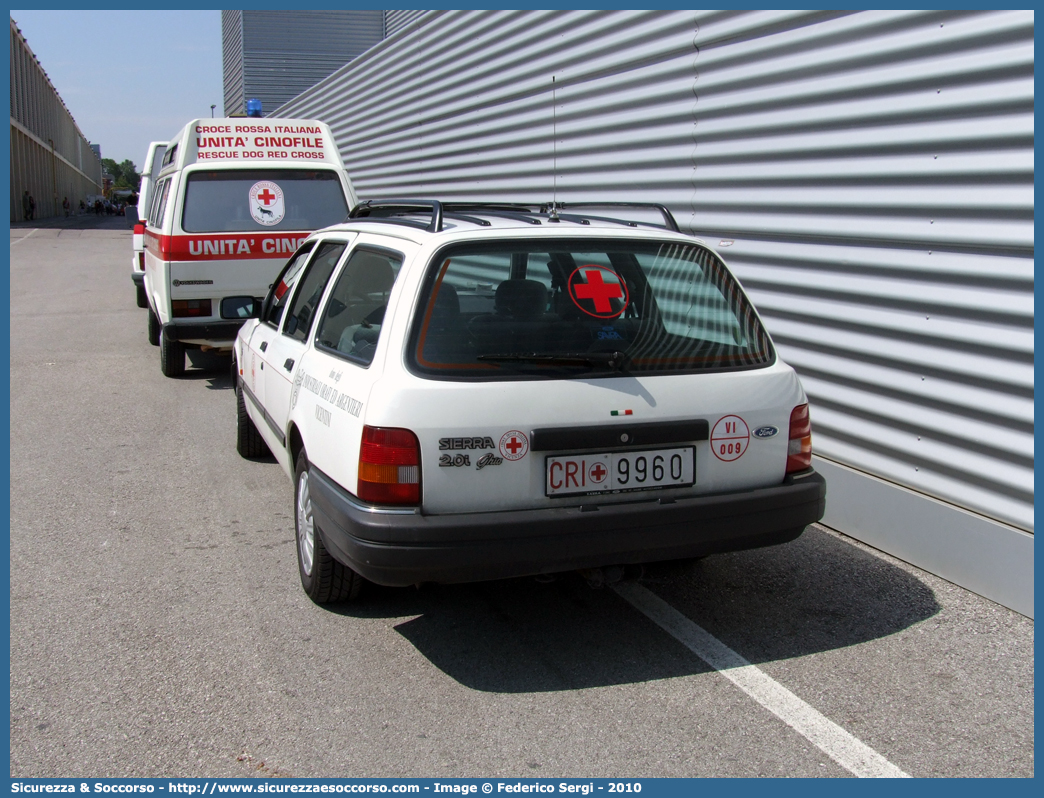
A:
289,364
264,345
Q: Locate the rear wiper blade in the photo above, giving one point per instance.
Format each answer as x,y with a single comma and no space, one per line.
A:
613,360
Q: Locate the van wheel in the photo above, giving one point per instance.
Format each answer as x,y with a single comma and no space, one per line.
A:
323,578
172,356
249,442
143,301
154,328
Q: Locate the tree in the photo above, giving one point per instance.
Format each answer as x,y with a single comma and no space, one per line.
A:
124,175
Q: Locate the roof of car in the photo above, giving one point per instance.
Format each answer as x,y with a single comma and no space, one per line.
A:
422,219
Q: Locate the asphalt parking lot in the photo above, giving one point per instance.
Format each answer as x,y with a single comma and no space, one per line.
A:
158,627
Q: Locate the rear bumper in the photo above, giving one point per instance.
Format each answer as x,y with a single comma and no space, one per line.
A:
216,331
404,547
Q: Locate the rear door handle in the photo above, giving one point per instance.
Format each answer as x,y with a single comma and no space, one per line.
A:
289,364
264,346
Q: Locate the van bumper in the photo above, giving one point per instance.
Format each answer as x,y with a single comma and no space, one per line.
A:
404,547
217,331
138,278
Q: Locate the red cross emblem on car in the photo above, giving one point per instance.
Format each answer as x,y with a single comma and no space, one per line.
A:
514,445
591,292
266,196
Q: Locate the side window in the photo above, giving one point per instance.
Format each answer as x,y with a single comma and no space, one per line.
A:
159,204
310,291
276,301
351,325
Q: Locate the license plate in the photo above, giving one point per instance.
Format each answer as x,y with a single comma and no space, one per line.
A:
612,472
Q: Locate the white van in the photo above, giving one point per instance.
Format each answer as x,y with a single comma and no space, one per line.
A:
149,172
233,200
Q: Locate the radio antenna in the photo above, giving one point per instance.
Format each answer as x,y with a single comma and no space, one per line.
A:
554,153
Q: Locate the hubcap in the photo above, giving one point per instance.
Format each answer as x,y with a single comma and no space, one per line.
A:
305,525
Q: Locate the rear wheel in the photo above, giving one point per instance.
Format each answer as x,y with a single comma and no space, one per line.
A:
249,442
172,356
154,328
143,301
323,578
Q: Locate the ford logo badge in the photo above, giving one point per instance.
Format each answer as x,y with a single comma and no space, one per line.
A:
765,432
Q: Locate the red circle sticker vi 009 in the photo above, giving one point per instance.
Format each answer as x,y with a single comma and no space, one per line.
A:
729,438
598,291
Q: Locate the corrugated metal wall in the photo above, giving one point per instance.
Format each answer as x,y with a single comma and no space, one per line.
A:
39,119
868,176
394,21
232,61
282,53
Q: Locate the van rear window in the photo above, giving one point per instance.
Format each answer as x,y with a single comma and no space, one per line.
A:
262,200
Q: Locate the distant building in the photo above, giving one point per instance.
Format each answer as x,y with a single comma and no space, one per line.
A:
50,157
97,150
275,55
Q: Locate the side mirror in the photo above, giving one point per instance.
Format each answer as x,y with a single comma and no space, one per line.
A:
132,215
240,307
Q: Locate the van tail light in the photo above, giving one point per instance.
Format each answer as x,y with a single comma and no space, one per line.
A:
139,229
190,307
141,261
799,450
389,466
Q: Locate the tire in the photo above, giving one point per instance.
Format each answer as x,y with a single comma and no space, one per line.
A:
154,328
172,357
324,579
143,301
249,442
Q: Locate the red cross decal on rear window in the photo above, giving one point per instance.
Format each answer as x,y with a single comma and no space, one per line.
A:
266,196
595,290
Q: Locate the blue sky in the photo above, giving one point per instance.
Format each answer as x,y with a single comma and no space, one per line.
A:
129,77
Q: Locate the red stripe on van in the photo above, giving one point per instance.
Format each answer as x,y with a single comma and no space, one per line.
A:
224,246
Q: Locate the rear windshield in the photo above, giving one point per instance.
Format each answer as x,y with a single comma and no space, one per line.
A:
516,310
262,200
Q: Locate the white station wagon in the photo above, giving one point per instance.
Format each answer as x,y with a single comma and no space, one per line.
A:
467,391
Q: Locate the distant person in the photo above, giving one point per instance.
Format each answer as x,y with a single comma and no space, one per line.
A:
65,205
32,207
26,207
83,208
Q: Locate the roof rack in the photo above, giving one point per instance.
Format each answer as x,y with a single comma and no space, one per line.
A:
391,211
385,210
668,218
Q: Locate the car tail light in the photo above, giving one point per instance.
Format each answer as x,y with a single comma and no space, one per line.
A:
141,261
799,451
389,466
139,229
190,307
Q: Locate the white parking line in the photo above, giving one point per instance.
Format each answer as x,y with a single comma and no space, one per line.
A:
20,240
850,753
